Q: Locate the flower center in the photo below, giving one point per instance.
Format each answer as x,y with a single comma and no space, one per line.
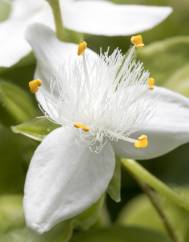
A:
105,97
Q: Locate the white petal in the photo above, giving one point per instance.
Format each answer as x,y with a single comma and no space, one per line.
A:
13,44
168,129
64,179
52,56
105,18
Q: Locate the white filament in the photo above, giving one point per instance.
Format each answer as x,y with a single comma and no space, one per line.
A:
109,94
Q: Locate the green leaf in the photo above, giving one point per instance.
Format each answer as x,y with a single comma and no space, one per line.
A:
164,58
15,155
179,81
88,218
15,102
61,233
36,128
160,187
114,188
121,234
12,225
136,210
5,9
11,214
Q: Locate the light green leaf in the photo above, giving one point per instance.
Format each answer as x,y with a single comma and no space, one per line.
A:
61,233
179,81
164,58
114,188
5,9
11,214
15,102
36,128
121,234
136,210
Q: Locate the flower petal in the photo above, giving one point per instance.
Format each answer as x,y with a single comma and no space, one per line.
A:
168,128
64,179
13,44
52,56
113,19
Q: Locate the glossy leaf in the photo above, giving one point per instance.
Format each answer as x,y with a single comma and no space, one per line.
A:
36,128
120,234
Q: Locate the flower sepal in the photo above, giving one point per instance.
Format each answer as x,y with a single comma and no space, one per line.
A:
114,188
36,128
90,216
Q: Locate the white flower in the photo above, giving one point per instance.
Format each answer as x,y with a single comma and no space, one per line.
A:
95,17
103,104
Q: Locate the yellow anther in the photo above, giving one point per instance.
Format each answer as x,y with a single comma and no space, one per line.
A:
141,142
137,41
81,48
34,85
84,127
151,83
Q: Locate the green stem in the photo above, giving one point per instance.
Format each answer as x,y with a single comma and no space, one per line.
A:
156,204
55,6
153,182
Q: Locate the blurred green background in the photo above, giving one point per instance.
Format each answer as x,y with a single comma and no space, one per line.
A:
166,55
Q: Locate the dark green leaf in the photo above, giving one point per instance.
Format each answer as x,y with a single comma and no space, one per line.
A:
15,153
15,102
121,234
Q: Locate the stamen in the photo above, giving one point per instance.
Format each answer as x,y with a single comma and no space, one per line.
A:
84,127
151,83
81,48
81,51
137,41
141,142
34,85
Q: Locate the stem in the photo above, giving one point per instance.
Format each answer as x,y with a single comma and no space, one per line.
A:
143,175
55,6
165,220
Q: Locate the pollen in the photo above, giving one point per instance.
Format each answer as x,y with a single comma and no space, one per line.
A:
141,142
34,85
84,127
81,48
151,83
137,41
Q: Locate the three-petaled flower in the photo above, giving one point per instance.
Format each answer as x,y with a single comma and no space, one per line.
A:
106,104
93,17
